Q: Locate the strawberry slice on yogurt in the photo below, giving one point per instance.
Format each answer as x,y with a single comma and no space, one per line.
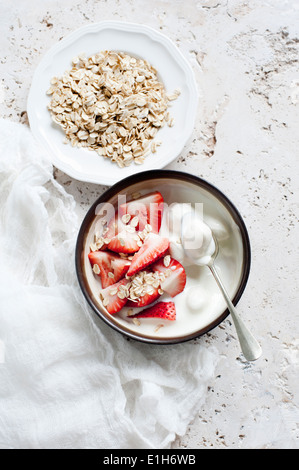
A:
175,275
120,236
125,242
163,310
145,210
145,299
110,267
153,248
114,297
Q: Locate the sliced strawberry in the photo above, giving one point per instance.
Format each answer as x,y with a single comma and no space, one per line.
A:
148,209
163,310
115,225
124,242
123,237
153,248
112,267
175,274
137,209
145,299
111,301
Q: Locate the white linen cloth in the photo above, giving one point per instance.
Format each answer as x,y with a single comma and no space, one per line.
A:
68,381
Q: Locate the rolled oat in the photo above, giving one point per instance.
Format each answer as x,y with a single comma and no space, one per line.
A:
113,104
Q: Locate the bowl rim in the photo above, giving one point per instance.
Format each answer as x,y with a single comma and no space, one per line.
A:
162,174
58,48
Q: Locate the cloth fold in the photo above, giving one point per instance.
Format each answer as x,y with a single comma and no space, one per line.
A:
67,380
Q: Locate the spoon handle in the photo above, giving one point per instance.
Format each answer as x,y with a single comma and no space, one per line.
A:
249,345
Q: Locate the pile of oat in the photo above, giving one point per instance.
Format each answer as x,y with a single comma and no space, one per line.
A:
142,283
113,104
130,223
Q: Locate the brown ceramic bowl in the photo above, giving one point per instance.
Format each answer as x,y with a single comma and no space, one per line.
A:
201,306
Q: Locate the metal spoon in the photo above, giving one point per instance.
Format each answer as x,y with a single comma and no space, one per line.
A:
249,345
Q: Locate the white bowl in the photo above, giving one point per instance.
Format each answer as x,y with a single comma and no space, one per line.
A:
232,262
137,40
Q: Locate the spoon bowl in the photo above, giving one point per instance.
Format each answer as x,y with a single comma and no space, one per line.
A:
249,345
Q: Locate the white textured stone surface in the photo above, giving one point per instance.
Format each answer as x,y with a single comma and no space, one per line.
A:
245,56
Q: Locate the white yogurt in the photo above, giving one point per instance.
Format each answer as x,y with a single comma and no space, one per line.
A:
171,228
197,239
